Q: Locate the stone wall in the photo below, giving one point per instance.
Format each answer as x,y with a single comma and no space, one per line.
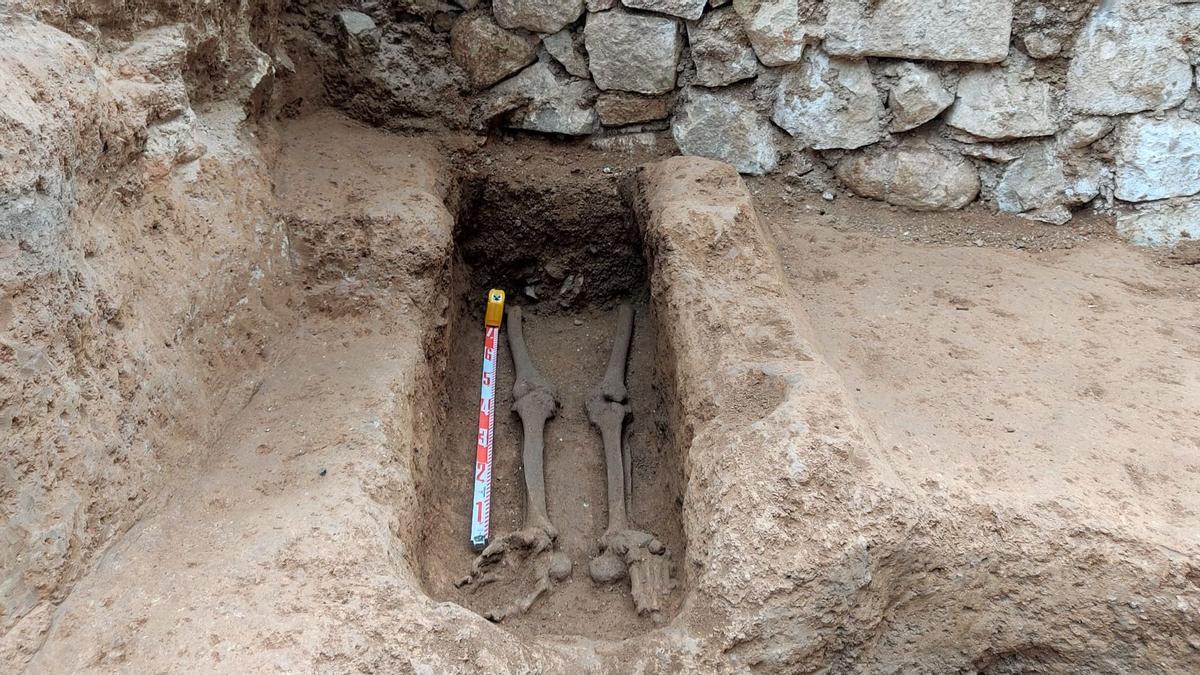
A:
1038,109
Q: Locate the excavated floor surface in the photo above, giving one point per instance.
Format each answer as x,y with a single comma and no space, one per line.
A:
1065,379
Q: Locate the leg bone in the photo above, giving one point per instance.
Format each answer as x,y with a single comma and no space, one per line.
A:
624,549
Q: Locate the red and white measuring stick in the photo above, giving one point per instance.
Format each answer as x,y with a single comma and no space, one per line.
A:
481,508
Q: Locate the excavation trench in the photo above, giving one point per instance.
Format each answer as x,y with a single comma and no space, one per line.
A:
569,256
325,522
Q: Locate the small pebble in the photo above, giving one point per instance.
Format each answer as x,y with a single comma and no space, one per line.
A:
578,322
324,471
827,196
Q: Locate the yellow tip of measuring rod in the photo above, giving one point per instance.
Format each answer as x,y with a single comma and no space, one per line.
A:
495,308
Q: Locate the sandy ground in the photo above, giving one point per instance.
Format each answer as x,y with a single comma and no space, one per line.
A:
1053,368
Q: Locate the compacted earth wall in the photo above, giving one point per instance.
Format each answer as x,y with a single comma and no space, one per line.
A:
1034,108
142,273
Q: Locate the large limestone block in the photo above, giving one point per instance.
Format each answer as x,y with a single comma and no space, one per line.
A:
936,30
1157,159
724,125
539,16
1123,63
914,177
633,52
1002,103
917,96
720,49
549,104
685,9
776,29
828,103
1161,224
488,52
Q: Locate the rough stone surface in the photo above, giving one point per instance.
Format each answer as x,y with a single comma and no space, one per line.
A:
181,369
358,32
724,125
828,103
685,9
1041,46
634,143
567,48
161,51
539,16
618,108
1157,159
1035,185
1085,188
1000,153
488,52
1124,65
917,96
1001,103
395,86
549,104
1161,224
776,29
1012,61
918,178
172,142
811,545
153,56
961,30
720,49
633,52
1085,132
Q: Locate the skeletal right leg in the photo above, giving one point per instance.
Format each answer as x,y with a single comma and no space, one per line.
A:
624,548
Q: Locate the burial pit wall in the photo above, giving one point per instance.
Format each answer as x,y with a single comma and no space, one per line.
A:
143,277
